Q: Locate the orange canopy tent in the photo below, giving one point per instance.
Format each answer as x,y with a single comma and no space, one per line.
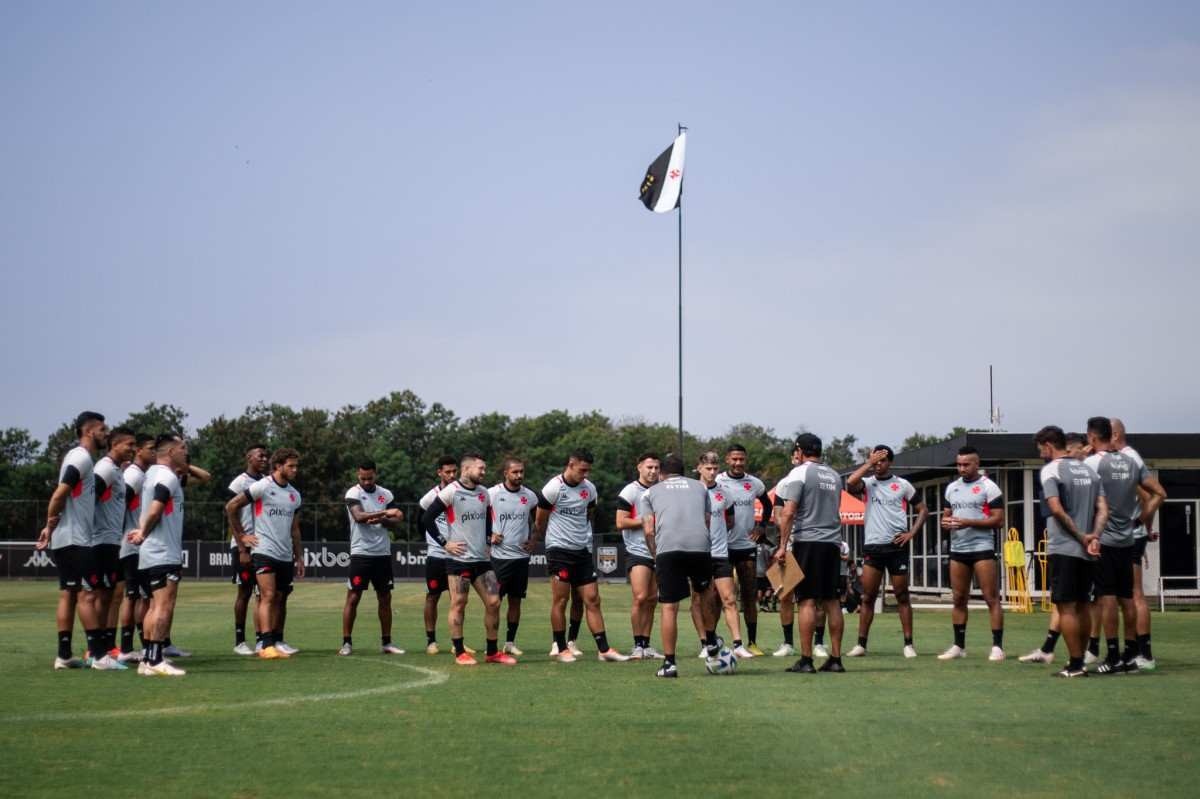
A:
851,509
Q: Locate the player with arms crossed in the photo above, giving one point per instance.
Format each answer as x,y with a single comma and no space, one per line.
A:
642,582
435,557
564,520
257,463
1076,513
974,511
276,552
160,557
369,506
468,510
513,507
745,534
885,540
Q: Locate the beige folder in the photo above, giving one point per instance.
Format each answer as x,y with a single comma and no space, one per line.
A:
786,576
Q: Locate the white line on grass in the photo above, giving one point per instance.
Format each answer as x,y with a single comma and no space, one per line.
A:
429,679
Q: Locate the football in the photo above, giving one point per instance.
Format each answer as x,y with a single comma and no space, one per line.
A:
724,663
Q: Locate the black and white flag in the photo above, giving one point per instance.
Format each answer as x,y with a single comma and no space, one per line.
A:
663,183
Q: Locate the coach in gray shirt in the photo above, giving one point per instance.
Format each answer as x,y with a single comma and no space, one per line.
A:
812,496
675,518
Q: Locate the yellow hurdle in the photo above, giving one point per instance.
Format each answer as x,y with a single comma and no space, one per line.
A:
1044,562
1018,598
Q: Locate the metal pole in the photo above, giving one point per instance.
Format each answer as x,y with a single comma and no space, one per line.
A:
679,253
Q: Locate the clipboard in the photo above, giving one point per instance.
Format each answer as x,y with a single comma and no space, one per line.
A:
784,578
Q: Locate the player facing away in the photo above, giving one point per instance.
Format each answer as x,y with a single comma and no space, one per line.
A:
276,552
1122,477
160,555
675,520
1076,513
745,534
1147,497
257,461
886,533
812,496
723,597
70,522
370,509
133,609
109,530
973,513
468,510
435,557
514,505
564,520
640,568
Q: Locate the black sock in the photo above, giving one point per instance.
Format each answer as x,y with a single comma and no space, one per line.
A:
166,642
752,632
669,660
510,635
141,634
710,642
258,637
837,659
862,641
908,640
457,643
998,638
64,644
819,636
95,643
430,637
1075,664
787,635
960,636
1112,651
737,642
126,640
806,659
601,641
277,633
154,652
1143,642
573,630
1094,646
1051,641
560,640
385,640
110,638
492,648
239,635
346,640
641,641
268,639
1131,650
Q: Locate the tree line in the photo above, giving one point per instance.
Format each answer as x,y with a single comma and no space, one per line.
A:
404,437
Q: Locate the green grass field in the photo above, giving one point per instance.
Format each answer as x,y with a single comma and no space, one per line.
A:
417,724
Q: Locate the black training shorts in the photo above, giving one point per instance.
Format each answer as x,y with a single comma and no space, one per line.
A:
740,556
158,577
284,571
107,559
821,562
971,558
435,575
513,576
76,568
676,570
637,560
1139,551
886,557
1114,572
1071,579
574,566
722,568
375,570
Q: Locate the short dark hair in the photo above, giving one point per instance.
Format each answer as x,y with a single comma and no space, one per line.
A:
121,432
885,448
581,455
253,447
672,464
967,449
367,465
735,447
1051,434
510,460
446,460
142,439
1076,438
1101,426
83,419
648,456
165,440
469,456
809,445
283,455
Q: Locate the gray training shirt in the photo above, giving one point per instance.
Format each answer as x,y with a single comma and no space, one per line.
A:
679,505
570,522
75,527
886,512
1120,475
371,540
744,490
164,544
134,477
467,512
1139,529
432,548
629,500
817,491
720,502
275,506
973,500
512,514
110,503
237,486
1078,488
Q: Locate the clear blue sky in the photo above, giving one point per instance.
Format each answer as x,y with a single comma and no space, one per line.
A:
228,203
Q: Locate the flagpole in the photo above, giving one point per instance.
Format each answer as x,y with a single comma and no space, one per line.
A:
679,254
